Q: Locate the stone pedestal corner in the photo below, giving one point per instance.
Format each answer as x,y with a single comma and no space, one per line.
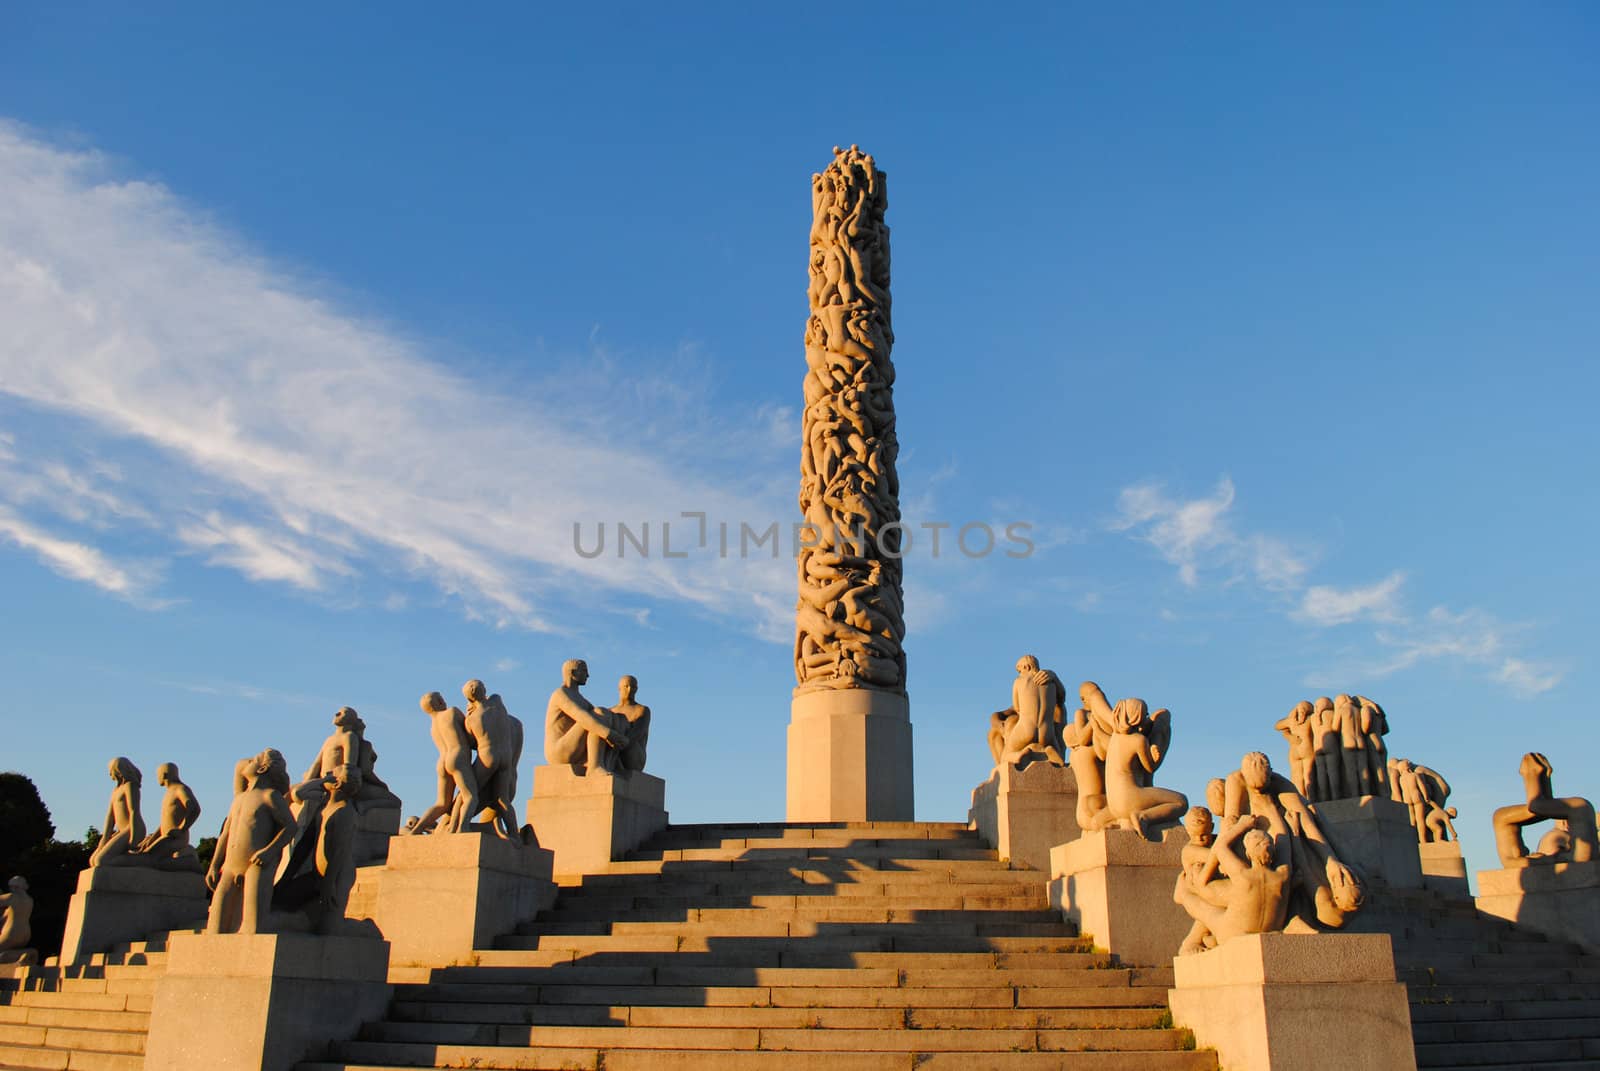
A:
1022,814
115,904
1117,887
1297,1002
1444,870
591,819
1375,834
849,757
1559,900
262,1002
441,896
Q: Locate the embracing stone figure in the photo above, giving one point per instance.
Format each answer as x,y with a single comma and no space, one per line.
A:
1251,897
576,732
1031,728
1115,752
498,737
1572,841
458,801
259,827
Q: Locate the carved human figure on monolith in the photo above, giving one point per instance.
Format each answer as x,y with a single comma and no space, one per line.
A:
498,737
457,782
16,921
1133,754
1031,728
1438,824
1327,765
631,758
576,732
1254,898
1298,728
250,848
1576,812
169,848
124,825
1356,775
1375,724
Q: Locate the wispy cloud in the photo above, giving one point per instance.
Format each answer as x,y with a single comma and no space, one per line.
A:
132,581
1325,605
1196,534
299,443
1470,637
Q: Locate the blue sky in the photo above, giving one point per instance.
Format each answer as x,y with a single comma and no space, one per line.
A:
320,331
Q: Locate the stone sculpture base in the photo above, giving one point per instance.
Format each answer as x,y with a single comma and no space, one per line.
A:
374,827
1375,834
114,904
1307,1002
262,1002
1559,900
850,757
1022,814
442,895
1443,869
590,820
1117,887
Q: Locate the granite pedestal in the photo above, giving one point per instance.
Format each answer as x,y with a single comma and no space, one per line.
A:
1117,887
1023,814
262,1002
374,827
1297,1002
115,904
588,820
1375,834
442,895
849,757
1443,868
1559,900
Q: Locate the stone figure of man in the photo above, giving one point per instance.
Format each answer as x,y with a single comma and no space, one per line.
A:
169,847
124,825
1086,737
498,737
631,758
1576,812
250,847
16,920
1375,724
336,848
1298,728
342,746
1257,892
1356,773
1327,764
1032,725
457,803
576,732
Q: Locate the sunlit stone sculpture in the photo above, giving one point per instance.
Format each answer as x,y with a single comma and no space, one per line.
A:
1575,812
576,732
631,759
249,848
322,871
168,848
1087,737
458,801
1032,726
124,825
1252,898
16,915
1424,792
1298,728
1375,724
498,736
1337,749
850,730
1133,754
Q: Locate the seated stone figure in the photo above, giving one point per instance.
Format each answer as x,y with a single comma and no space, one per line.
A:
637,715
249,848
124,825
1086,737
1575,814
168,848
16,923
1031,727
576,732
1253,898
1132,757
458,783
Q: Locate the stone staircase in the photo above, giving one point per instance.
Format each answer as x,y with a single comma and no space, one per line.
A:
1485,995
91,1016
845,946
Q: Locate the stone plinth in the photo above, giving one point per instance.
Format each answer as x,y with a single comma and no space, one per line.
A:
1117,887
1022,814
374,827
1443,868
1375,834
114,904
850,757
591,819
1559,900
442,895
1297,1002
262,1002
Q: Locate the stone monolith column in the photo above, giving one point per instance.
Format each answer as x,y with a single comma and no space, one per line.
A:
849,727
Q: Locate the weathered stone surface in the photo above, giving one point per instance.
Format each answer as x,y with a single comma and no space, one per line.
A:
588,820
116,904
1443,868
1376,835
1024,813
849,757
1117,887
262,1002
1560,900
1310,1002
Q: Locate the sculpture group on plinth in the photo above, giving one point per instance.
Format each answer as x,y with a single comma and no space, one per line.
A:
589,738
479,751
1426,794
1031,727
125,842
1572,840
1336,748
1115,752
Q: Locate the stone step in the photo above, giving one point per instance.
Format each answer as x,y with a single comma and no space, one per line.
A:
72,1037
908,940
1505,976
86,1018
799,956
832,911
1142,994
627,974
1473,1031
406,1010
921,897
851,868
49,1059
719,830
1453,1011
757,926
709,879
702,1060
1519,1053
80,1001
783,853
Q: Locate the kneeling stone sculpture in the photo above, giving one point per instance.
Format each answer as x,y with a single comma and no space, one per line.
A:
1115,753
